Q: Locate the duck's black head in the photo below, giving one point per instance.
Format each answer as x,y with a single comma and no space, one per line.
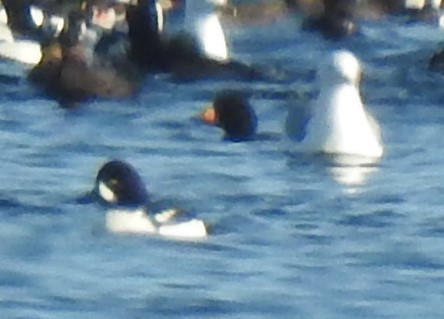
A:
340,15
233,113
337,20
118,183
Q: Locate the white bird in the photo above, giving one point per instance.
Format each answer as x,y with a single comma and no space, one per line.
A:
338,122
202,22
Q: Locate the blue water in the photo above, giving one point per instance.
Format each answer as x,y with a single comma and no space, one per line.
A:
292,236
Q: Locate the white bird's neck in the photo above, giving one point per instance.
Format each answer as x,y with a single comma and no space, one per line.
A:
202,22
341,97
341,105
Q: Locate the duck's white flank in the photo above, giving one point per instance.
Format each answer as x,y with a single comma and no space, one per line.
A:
138,222
129,221
23,51
202,21
194,228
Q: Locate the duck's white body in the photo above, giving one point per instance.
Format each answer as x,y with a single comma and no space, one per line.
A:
202,22
339,122
20,50
419,4
5,33
23,51
138,222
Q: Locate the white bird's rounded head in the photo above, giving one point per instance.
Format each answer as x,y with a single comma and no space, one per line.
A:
340,67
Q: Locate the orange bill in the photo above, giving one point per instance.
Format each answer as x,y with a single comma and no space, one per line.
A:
209,116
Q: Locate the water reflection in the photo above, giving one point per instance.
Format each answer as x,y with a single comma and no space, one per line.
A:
351,171
348,170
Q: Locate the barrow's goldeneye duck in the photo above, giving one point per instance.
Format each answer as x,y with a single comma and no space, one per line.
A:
120,186
232,112
25,48
337,122
336,20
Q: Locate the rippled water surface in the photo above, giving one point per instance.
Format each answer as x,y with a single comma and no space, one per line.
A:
293,236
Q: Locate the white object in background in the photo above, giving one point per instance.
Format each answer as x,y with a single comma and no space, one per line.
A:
37,16
23,51
160,19
414,4
202,22
436,4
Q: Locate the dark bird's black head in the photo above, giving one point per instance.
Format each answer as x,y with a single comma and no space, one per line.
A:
337,20
118,183
234,114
